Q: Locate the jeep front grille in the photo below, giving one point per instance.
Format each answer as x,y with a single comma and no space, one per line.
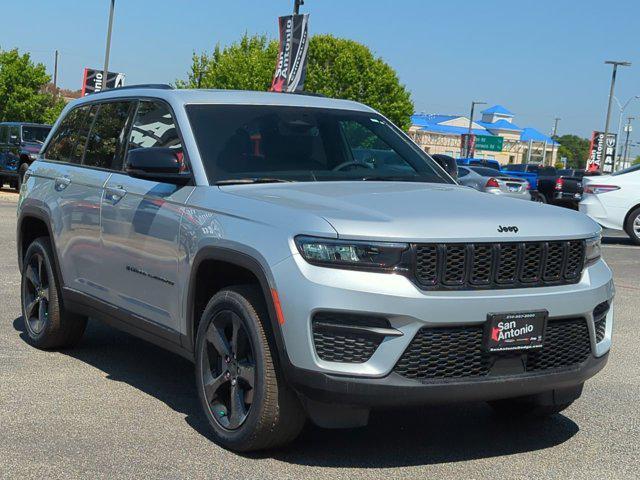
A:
467,266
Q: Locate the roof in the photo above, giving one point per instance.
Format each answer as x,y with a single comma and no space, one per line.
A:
453,130
498,109
500,125
228,97
422,119
534,135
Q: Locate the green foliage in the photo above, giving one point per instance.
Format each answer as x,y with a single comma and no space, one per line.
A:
337,68
576,150
245,65
22,94
636,161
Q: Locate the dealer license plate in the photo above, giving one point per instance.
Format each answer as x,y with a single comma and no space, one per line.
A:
515,331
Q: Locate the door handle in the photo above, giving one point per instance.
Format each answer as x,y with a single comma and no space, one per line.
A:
62,182
115,194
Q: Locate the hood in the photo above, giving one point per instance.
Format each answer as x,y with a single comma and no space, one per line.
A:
421,212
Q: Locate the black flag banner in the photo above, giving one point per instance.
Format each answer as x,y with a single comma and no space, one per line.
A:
92,81
291,68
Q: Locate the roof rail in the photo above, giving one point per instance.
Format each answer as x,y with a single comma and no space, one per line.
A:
309,94
156,86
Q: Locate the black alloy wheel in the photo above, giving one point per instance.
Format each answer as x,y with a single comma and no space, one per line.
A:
35,295
228,370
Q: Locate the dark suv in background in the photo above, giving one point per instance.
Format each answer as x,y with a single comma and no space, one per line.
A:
20,144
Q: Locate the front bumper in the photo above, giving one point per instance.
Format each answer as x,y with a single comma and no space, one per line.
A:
395,390
305,289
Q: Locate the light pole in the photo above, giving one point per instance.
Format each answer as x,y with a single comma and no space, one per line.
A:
468,146
606,122
105,71
553,137
296,6
627,129
622,109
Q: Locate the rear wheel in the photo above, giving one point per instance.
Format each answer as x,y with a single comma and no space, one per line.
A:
632,226
244,396
539,197
46,322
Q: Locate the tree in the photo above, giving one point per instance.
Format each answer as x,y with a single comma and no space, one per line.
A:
636,161
575,148
337,68
22,90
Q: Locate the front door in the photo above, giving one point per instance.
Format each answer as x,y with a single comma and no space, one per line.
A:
140,227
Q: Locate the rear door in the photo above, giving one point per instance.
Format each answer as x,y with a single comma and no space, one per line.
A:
73,194
140,227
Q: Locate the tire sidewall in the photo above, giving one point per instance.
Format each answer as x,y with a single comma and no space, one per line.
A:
632,234
40,246
229,300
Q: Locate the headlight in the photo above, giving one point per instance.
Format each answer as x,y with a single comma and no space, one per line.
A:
593,250
378,256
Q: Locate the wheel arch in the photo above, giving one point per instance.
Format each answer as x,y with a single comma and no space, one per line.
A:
246,264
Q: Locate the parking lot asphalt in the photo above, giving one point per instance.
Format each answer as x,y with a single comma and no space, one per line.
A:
117,407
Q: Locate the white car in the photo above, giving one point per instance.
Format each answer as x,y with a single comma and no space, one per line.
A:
614,201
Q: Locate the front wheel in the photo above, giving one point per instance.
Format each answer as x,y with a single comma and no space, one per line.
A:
632,226
243,395
21,172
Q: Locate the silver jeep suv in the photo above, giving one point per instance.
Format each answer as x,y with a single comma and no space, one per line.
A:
309,258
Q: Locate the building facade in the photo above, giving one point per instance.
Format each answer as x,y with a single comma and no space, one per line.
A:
443,134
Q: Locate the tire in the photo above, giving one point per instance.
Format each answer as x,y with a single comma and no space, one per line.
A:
266,412
525,407
540,198
47,324
21,171
632,226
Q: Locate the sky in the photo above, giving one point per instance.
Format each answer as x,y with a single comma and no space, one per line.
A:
541,59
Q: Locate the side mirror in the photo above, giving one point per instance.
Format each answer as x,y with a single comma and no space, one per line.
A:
158,164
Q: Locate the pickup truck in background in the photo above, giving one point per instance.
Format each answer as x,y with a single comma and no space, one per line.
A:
569,188
541,179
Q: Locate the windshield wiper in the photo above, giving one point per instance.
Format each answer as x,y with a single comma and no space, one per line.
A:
248,181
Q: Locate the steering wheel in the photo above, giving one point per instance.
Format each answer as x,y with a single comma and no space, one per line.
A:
350,163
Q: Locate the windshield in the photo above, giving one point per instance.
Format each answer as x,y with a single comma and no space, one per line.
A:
34,134
633,168
277,143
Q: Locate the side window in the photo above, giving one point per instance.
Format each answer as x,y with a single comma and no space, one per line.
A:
62,145
14,135
155,127
4,134
462,172
104,146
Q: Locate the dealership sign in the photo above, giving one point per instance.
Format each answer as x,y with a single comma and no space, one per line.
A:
489,142
601,153
291,68
93,82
